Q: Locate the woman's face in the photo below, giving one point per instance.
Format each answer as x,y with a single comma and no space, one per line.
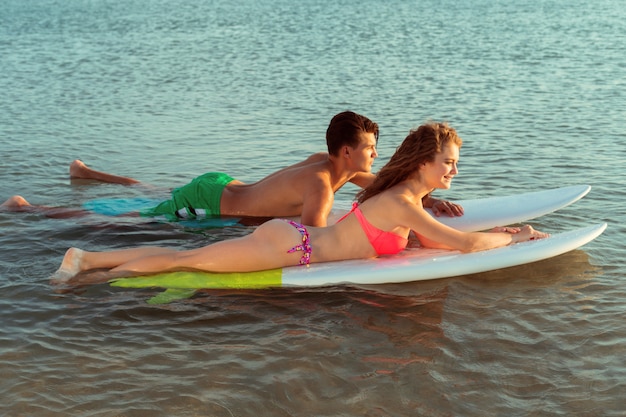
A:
439,173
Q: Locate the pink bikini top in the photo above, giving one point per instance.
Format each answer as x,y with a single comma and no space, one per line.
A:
384,243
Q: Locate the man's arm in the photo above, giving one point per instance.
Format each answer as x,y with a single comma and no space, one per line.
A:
440,207
363,179
317,204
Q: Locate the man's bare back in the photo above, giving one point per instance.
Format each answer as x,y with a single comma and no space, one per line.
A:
305,189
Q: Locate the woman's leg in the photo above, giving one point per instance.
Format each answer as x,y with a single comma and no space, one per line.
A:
265,248
76,260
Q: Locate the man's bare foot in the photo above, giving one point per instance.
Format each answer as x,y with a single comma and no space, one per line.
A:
16,203
78,169
70,266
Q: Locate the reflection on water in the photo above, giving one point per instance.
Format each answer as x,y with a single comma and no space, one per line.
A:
570,266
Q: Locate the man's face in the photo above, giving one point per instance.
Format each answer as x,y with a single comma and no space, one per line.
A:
364,154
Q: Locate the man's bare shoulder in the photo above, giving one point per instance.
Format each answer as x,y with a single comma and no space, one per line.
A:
318,156
312,159
313,166
296,179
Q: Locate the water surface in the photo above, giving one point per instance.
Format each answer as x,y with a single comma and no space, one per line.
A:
166,90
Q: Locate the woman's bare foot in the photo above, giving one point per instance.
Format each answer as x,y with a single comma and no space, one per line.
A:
16,203
70,266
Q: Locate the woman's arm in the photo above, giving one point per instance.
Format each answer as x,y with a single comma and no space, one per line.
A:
434,234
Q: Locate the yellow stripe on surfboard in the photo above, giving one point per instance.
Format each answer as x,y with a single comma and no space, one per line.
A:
184,284
205,280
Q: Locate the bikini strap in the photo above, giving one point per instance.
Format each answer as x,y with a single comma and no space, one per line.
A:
354,207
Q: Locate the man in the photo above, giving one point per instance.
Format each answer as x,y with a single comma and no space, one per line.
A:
305,189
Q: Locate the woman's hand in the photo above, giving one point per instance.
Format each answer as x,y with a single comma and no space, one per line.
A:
502,229
521,234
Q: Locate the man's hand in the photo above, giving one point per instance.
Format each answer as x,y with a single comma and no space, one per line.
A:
449,208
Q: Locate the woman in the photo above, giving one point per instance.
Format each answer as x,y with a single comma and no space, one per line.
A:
378,224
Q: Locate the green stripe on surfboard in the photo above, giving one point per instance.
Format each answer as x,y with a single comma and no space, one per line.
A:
204,280
184,284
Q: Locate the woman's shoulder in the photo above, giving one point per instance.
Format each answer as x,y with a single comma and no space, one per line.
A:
398,195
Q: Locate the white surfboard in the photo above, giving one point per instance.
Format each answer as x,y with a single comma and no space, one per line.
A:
411,265
480,214
486,213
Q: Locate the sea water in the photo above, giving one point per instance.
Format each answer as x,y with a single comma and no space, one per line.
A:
166,90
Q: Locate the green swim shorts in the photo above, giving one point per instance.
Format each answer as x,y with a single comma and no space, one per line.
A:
200,198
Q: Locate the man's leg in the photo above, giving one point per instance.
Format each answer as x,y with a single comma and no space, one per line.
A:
17,203
78,169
